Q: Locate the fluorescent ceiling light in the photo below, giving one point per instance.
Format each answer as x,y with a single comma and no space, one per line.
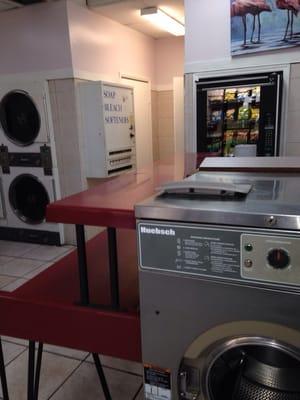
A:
162,20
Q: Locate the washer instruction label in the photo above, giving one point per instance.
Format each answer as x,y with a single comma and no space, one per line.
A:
157,383
190,249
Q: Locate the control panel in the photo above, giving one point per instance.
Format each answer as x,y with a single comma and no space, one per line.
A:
270,258
218,252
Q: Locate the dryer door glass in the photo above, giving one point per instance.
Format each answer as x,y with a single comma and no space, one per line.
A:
28,198
19,118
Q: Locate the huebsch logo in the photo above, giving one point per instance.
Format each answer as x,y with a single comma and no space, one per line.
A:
157,231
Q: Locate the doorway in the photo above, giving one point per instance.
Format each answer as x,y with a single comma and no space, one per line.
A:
143,120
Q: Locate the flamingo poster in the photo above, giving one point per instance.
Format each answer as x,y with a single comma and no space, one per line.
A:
262,25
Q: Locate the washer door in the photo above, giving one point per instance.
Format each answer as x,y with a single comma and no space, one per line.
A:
255,372
242,367
28,198
19,118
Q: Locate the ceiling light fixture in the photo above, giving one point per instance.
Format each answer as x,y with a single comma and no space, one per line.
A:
162,20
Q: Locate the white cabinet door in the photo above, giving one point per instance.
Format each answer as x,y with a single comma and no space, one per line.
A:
118,118
143,122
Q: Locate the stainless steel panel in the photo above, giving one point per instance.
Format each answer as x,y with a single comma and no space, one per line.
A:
177,311
272,202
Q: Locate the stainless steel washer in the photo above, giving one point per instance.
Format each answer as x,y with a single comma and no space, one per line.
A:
219,288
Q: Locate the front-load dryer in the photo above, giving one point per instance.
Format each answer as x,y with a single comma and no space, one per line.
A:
219,268
27,192
24,124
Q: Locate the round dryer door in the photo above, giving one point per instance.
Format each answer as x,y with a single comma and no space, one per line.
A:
19,118
28,198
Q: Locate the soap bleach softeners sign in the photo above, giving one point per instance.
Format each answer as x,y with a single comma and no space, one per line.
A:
118,116
108,129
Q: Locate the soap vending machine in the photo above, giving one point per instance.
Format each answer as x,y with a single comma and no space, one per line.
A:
241,109
108,128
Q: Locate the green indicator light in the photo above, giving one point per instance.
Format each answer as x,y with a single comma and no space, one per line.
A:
248,247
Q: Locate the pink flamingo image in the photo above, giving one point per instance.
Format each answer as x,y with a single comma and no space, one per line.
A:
292,7
240,8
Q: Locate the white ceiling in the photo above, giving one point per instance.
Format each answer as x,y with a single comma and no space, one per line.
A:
127,12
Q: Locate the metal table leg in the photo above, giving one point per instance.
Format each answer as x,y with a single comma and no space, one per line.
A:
31,369
3,375
34,370
102,377
113,268
82,266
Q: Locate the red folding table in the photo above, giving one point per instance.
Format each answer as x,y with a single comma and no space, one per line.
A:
84,301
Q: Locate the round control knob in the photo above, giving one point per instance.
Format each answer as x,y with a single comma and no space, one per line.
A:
278,258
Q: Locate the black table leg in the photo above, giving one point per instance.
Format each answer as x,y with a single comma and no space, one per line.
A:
38,371
113,268
102,377
82,265
3,375
34,370
31,369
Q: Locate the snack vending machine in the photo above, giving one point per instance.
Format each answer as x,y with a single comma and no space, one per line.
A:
242,109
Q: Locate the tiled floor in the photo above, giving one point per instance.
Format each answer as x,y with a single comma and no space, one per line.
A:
66,374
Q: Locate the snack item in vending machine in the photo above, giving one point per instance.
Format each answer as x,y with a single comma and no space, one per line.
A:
216,146
228,136
216,116
216,96
255,113
243,93
254,136
242,137
230,114
256,94
230,94
245,111
228,143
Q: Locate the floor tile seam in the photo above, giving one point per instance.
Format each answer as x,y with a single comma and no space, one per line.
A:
12,258
15,276
35,269
12,342
138,391
48,351
66,356
41,262
88,354
116,369
20,257
37,259
9,276
66,379
14,358
11,283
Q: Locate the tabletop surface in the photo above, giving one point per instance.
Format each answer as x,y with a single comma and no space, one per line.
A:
111,202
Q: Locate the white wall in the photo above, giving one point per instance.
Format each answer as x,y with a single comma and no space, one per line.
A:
169,61
207,40
35,38
104,48
62,39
